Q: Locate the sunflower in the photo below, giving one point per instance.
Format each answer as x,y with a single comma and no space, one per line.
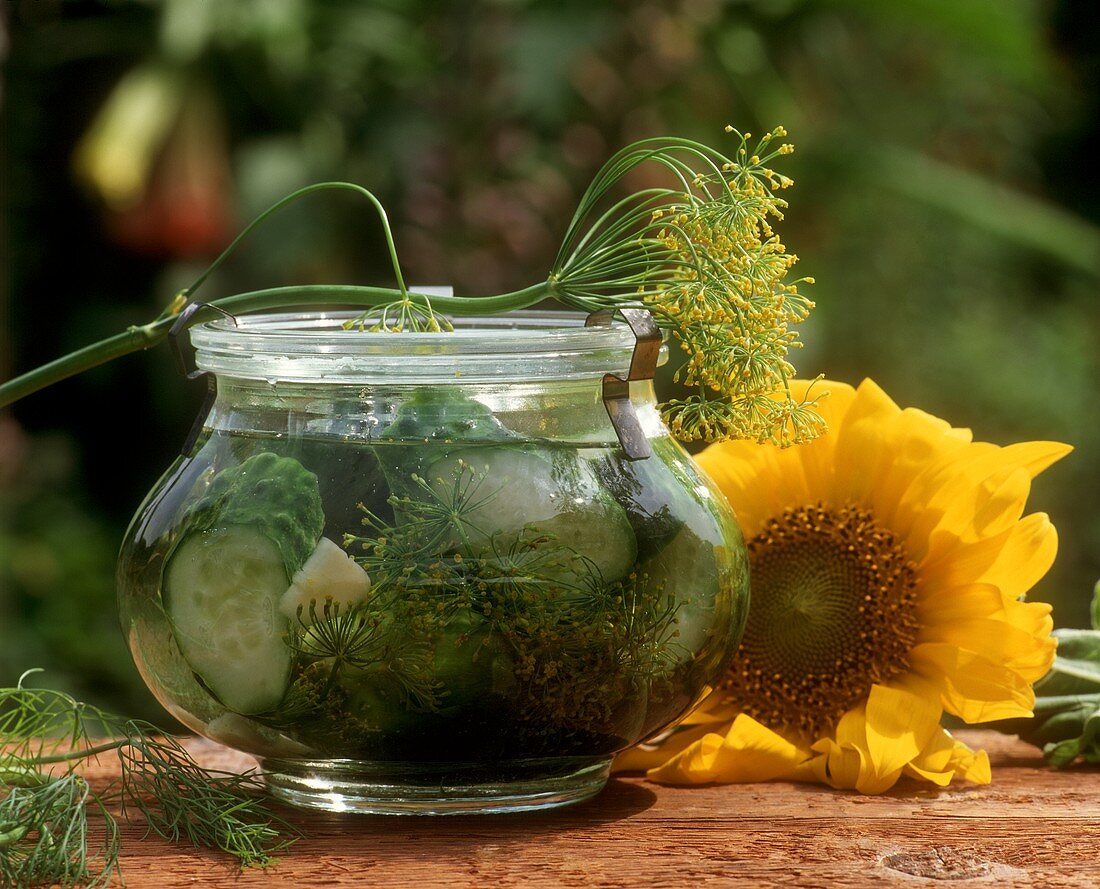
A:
889,562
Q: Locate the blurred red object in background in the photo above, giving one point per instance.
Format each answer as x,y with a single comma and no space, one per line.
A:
156,156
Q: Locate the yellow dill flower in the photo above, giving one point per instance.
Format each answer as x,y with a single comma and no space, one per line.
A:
703,257
889,560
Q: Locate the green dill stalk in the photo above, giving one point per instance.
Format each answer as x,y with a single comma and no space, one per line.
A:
47,808
699,253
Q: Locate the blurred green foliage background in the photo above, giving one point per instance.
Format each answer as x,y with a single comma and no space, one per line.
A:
943,202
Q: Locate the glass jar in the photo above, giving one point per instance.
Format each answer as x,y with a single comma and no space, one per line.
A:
417,573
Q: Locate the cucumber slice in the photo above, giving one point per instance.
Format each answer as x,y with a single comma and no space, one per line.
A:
222,590
546,493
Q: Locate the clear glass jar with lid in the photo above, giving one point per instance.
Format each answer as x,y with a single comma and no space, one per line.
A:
418,572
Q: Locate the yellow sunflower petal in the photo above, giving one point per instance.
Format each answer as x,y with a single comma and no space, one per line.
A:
861,453
761,480
643,757
845,761
1035,456
914,439
949,604
1013,560
876,740
834,399
836,766
971,765
980,501
978,493
971,686
933,763
999,642
781,470
746,474
1000,503
943,759
898,725
1031,617
749,752
817,456
942,610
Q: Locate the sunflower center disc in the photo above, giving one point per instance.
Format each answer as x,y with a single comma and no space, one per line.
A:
832,613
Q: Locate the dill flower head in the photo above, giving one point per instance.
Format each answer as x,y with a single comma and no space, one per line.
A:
704,258
889,561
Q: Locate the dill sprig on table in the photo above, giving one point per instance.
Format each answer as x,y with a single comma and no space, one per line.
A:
49,812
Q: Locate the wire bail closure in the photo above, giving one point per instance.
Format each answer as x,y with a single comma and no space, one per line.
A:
190,370
187,365
643,366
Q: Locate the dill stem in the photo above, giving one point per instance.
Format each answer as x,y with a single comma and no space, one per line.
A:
82,753
13,836
138,338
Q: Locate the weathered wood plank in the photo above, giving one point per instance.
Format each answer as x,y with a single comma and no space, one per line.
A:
1032,827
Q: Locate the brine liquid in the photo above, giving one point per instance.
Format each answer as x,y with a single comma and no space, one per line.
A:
526,599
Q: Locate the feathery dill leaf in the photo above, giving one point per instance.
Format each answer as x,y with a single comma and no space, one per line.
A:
46,806
44,829
364,637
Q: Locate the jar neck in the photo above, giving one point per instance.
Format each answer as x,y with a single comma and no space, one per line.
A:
569,411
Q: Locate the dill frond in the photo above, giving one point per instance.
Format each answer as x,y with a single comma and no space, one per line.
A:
345,635
45,804
366,639
699,252
578,648
180,800
44,834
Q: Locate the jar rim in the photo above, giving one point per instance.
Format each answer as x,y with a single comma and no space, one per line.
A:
314,347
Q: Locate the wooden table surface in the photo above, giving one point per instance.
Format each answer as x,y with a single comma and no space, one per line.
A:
1031,827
